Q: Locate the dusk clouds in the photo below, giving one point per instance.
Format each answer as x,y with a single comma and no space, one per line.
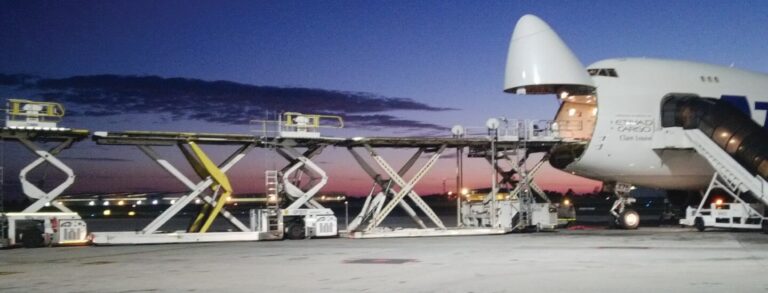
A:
212,101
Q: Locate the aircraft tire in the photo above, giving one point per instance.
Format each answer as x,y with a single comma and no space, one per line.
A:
629,219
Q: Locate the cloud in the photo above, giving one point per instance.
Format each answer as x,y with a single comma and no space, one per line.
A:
213,101
380,120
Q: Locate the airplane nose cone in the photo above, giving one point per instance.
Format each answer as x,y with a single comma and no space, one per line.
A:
529,25
539,62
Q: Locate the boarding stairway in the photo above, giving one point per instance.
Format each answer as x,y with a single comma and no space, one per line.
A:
731,142
731,174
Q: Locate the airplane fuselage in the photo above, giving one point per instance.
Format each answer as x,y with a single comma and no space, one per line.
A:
623,146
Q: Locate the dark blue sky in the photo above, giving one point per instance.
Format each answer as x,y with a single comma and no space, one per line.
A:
446,52
442,54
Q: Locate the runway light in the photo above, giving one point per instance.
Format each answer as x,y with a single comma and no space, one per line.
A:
154,202
106,203
107,212
120,203
173,201
131,213
138,203
198,201
91,203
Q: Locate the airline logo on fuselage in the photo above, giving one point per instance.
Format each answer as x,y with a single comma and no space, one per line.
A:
741,103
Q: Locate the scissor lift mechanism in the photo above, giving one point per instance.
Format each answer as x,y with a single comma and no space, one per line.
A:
303,217
367,224
394,190
213,178
518,210
31,123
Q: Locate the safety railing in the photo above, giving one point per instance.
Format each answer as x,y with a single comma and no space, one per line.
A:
519,129
19,111
294,124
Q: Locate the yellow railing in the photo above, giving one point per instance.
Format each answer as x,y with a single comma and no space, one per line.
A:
296,122
20,110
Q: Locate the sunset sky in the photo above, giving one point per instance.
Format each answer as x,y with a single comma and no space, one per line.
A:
391,68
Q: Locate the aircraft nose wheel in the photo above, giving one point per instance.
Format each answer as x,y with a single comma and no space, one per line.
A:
629,219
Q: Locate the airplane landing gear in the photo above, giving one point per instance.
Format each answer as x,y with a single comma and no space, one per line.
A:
624,217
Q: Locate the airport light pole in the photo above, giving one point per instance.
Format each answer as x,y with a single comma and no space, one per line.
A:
493,131
346,215
458,132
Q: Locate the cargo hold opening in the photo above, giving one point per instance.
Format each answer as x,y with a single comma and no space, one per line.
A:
577,116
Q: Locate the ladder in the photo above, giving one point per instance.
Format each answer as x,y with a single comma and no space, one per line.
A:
3,228
729,174
272,190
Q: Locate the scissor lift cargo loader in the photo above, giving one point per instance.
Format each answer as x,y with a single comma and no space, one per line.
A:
32,123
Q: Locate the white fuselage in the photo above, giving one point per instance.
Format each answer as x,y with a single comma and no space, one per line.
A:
621,148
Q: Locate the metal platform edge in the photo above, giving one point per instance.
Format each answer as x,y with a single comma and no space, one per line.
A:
133,238
432,232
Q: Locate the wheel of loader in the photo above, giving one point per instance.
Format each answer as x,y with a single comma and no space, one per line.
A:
32,237
699,224
295,230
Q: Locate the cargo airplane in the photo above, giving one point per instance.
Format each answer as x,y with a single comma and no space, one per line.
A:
623,118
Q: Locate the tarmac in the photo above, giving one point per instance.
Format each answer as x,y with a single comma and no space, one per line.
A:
591,260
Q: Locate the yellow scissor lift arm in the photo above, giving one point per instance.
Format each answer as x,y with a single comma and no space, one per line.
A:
212,177
204,168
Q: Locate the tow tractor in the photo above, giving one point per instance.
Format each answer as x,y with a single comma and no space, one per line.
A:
729,215
31,122
714,212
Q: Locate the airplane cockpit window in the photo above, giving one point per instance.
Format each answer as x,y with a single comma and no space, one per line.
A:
610,72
